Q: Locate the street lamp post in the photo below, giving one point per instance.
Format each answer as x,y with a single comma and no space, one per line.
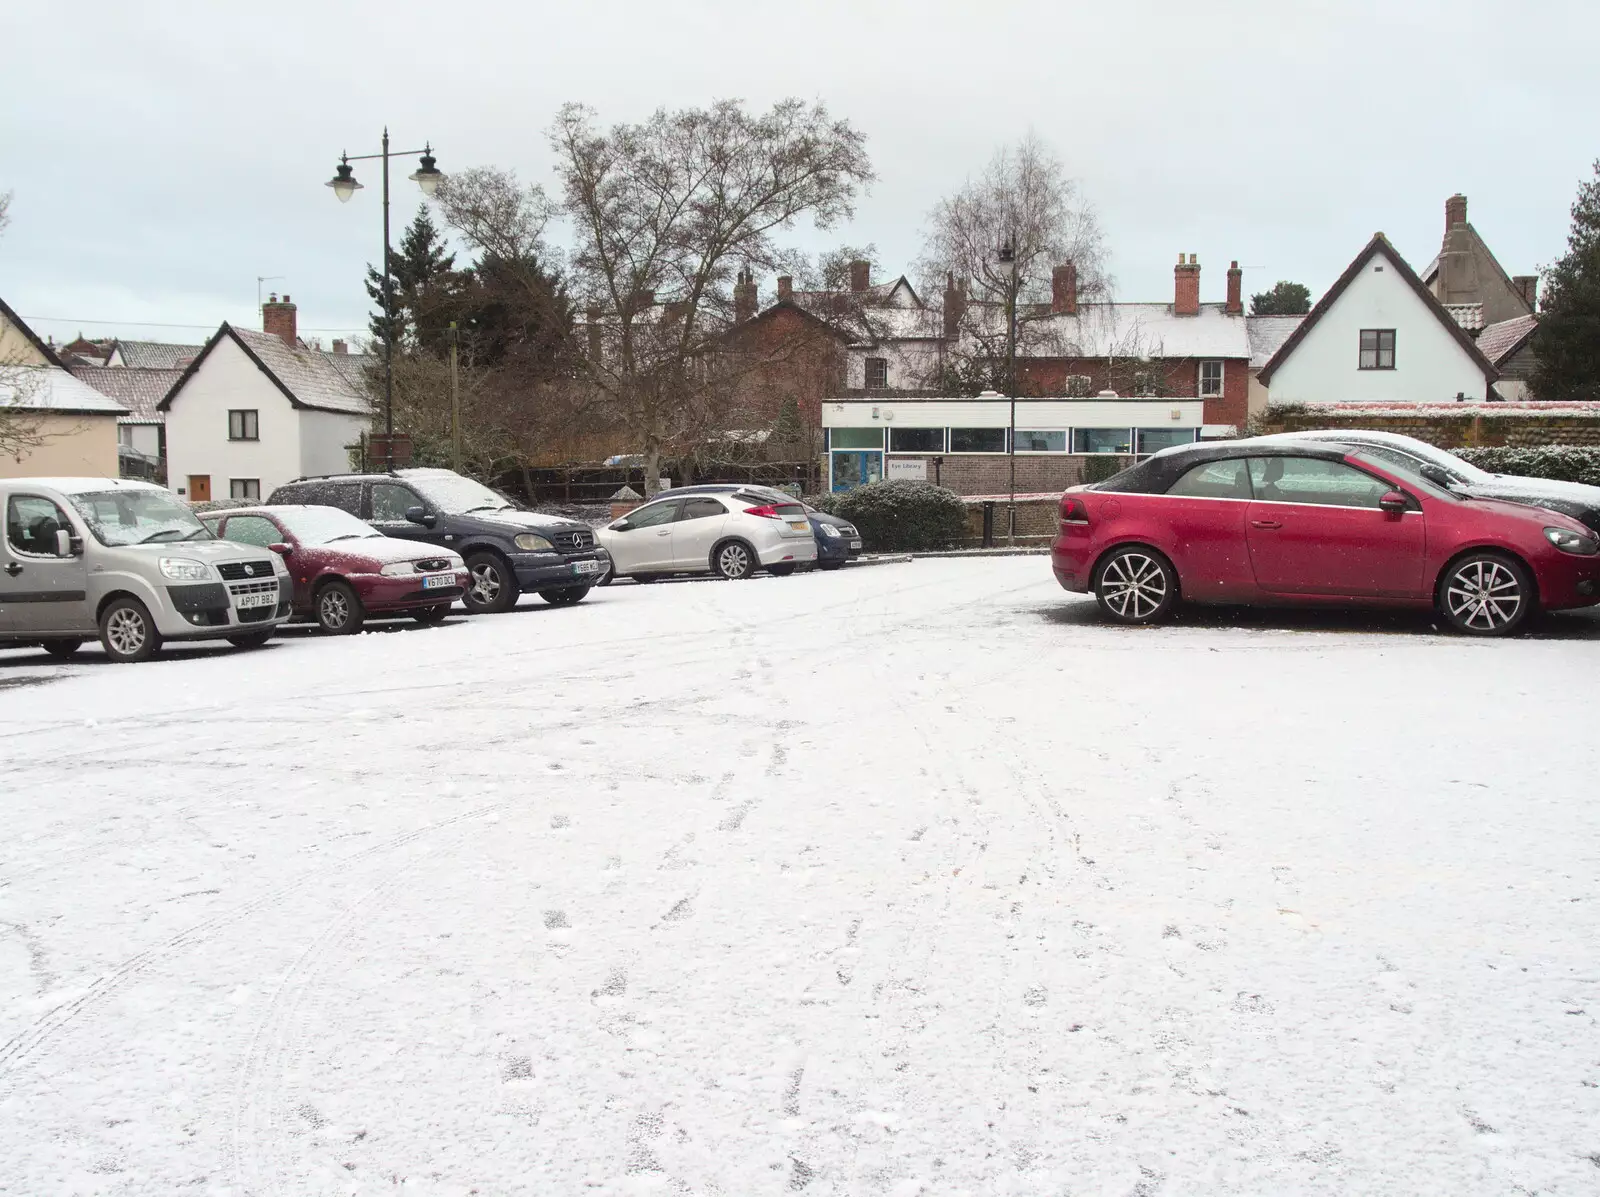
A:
427,176
1007,256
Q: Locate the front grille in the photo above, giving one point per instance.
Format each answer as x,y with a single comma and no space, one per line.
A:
433,565
848,530
236,571
253,614
571,542
239,588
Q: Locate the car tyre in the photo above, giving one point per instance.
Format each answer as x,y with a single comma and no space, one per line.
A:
127,632
1485,594
491,586
565,597
339,610
830,565
1135,585
734,560
781,571
253,640
61,649
432,615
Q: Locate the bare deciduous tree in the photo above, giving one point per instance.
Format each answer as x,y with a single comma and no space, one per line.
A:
1026,199
669,210
20,431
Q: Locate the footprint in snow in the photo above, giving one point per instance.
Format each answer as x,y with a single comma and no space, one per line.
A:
556,920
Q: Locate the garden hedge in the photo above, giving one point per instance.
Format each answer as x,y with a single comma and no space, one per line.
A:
901,514
1567,463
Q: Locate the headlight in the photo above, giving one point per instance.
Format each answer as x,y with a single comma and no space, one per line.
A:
533,543
828,530
1572,542
185,569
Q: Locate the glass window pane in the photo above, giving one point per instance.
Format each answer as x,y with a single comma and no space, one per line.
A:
1101,440
1041,442
700,509
977,440
391,502
655,513
32,523
1311,480
1369,359
916,440
252,529
1214,480
877,373
1153,440
1369,339
855,438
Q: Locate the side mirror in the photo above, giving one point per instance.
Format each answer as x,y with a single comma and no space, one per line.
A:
283,550
419,515
1395,502
1437,475
622,526
64,545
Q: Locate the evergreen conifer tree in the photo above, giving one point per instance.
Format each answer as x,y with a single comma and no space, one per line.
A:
1567,344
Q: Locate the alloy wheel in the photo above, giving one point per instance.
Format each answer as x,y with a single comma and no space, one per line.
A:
1133,585
733,560
334,609
1483,595
126,632
485,583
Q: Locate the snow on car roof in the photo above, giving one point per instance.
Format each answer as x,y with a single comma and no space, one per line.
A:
79,486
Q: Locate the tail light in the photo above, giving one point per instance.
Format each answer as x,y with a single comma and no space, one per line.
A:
769,512
1074,510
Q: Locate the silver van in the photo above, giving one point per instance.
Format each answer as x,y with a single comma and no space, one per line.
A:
130,562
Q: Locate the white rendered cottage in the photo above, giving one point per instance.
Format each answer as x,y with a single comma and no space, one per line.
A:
257,409
1379,336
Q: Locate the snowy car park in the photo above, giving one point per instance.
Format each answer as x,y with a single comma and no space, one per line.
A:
915,879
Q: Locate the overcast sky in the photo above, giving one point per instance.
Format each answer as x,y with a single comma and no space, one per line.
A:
165,155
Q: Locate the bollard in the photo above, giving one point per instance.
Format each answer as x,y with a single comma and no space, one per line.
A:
988,524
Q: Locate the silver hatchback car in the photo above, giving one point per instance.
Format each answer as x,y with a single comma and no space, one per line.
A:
730,535
131,563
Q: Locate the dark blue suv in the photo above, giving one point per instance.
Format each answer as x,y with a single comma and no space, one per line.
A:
838,542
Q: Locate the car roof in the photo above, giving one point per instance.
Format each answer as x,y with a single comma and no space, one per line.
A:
78,486
1352,436
270,509
1156,474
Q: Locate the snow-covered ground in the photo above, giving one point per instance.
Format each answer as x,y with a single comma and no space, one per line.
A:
907,880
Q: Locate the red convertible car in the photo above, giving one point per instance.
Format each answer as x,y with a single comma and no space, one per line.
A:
1312,522
343,571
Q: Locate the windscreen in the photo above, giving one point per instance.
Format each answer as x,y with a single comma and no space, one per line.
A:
455,495
324,525
124,517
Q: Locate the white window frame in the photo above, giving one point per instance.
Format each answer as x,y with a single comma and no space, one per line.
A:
866,374
1222,379
1074,386
893,452
1000,452
1066,448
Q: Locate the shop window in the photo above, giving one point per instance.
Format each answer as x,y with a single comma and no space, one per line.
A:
1040,442
1101,440
916,440
977,440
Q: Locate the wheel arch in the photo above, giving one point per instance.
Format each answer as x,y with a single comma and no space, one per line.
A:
1497,550
1133,542
733,538
112,596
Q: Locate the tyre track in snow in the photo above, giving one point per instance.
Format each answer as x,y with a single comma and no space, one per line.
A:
27,1044
257,1154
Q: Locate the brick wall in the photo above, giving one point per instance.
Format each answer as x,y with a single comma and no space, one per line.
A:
1233,407
1447,430
986,474
1036,523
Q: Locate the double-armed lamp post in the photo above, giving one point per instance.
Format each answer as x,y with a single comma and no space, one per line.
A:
428,176
1006,256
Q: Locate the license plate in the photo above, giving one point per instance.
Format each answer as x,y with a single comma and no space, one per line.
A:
586,567
255,600
855,544
799,525
438,581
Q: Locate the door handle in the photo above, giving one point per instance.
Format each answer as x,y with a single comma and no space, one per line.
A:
13,569
1265,524
665,532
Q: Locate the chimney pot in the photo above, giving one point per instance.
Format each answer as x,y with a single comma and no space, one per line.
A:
860,275
1235,304
278,318
955,306
1455,211
1528,286
1186,287
744,297
340,346
785,288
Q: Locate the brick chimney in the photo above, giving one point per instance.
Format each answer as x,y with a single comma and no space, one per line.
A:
340,346
744,297
1527,286
785,289
1186,287
955,306
1064,289
278,318
1455,211
860,275
591,318
1235,305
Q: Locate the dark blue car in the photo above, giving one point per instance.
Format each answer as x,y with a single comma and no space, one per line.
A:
838,542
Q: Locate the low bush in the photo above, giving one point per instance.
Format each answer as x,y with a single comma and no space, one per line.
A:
902,514
1565,463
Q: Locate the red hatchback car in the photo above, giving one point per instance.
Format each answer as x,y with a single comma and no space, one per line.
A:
1311,522
343,571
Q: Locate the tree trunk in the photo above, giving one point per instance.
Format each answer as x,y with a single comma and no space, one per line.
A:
652,467
527,483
